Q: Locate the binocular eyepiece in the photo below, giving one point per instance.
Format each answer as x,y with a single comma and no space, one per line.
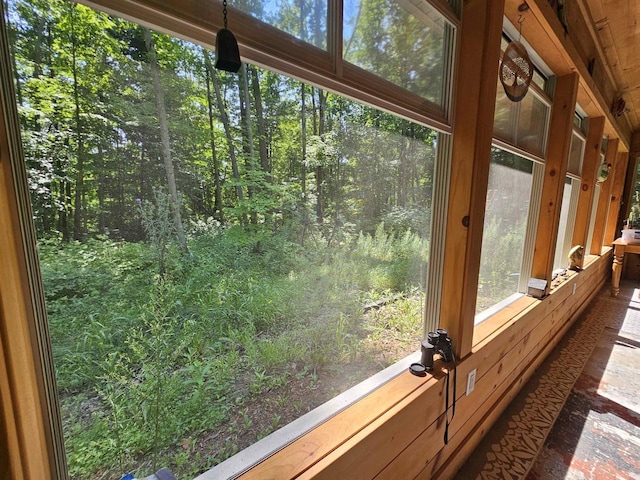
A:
436,342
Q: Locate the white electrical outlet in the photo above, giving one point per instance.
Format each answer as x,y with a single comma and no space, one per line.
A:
471,381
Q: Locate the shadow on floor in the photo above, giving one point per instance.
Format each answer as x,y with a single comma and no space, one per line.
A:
597,434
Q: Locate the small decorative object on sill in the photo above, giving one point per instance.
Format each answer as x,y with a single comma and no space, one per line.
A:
576,254
603,172
516,70
227,51
537,287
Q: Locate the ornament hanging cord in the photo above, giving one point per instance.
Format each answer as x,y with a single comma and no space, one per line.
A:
520,22
224,13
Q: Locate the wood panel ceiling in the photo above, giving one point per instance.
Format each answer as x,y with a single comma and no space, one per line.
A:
617,25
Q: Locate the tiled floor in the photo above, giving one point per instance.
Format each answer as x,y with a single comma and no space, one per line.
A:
597,435
596,369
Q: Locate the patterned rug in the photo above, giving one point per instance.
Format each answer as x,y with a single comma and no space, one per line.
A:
597,435
512,445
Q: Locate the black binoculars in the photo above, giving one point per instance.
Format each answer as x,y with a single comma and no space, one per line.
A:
436,342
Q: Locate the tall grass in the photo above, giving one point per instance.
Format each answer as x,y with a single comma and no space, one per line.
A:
146,361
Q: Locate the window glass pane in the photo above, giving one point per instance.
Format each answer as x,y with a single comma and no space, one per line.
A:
565,233
577,121
634,211
532,124
504,42
505,116
287,266
508,195
400,42
576,153
304,19
539,80
522,124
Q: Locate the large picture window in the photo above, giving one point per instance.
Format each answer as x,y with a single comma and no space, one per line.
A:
505,227
568,210
220,253
305,19
520,136
406,44
570,194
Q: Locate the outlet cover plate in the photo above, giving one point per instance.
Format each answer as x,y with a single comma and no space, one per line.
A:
471,381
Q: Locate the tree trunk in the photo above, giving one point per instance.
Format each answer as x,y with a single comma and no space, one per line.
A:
66,188
100,187
227,127
262,130
14,63
217,203
322,106
402,175
247,130
303,141
164,138
79,190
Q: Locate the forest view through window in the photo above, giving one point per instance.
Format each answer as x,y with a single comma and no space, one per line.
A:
505,224
220,253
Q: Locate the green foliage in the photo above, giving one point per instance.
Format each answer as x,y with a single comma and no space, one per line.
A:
145,361
499,271
302,207
390,261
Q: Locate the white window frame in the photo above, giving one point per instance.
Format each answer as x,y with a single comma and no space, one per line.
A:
577,135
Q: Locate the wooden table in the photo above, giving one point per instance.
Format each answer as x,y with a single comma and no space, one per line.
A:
620,247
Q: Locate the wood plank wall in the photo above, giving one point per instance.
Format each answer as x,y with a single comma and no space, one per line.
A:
396,431
399,432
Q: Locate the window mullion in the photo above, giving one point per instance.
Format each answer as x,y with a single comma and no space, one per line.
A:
532,224
571,219
439,210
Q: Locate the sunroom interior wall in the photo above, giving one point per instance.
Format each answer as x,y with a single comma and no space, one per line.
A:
395,436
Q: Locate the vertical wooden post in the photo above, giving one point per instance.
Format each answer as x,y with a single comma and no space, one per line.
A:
555,171
597,241
30,429
629,187
21,396
626,198
590,166
619,173
632,177
475,95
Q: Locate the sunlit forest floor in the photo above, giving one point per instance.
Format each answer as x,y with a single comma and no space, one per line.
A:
186,367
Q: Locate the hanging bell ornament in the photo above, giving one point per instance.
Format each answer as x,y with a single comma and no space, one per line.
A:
227,51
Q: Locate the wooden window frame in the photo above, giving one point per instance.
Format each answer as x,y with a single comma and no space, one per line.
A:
197,22
537,178
285,54
380,413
